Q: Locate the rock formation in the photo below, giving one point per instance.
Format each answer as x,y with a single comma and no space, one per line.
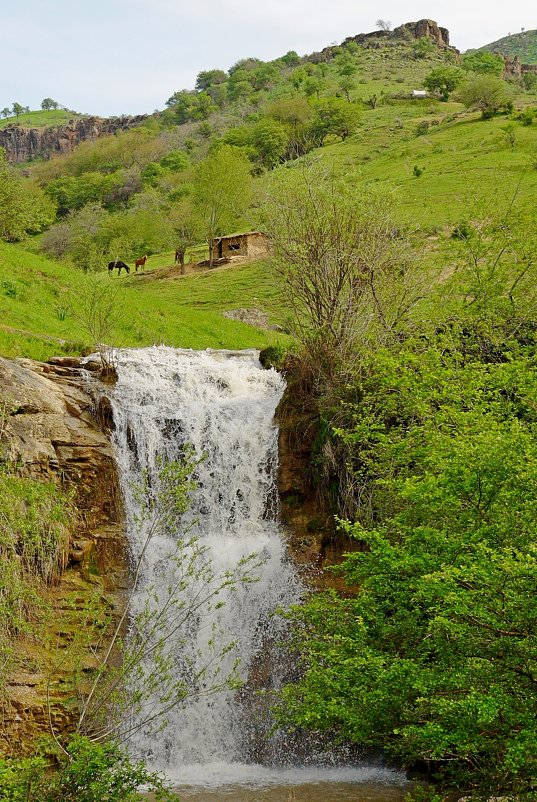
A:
24,144
513,67
54,433
408,32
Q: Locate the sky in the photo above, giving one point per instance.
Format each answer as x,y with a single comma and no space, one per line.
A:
112,57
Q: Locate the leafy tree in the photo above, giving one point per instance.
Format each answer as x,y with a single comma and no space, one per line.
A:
186,226
6,112
483,63
443,80
221,192
291,58
17,109
486,93
24,208
49,103
207,78
270,140
297,115
335,116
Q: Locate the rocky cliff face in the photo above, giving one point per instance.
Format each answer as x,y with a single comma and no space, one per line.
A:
24,144
55,434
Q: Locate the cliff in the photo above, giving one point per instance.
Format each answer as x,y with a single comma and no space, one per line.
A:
53,433
24,144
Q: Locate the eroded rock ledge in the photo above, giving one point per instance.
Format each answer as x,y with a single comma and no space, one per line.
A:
52,432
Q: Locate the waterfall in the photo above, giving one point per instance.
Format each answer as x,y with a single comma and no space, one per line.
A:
223,404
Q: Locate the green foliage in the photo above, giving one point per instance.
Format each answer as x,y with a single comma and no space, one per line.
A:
487,93
433,658
87,772
35,520
483,62
23,207
221,191
443,80
335,116
423,48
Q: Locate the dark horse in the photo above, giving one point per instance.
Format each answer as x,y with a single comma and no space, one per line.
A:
140,262
120,266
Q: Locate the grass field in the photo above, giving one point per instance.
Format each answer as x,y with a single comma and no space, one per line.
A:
40,119
40,303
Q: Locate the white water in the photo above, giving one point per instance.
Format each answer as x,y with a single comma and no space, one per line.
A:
223,404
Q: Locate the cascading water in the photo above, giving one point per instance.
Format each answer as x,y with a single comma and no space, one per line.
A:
222,404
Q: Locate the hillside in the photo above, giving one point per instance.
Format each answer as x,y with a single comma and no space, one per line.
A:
350,107
522,45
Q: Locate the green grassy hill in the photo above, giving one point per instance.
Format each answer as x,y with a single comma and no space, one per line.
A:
42,307
40,119
523,45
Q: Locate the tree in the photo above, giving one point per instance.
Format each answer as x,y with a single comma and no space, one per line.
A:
384,25
186,227
433,660
207,78
487,93
17,109
443,80
49,103
6,112
342,263
270,139
483,63
222,186
24,208
335,116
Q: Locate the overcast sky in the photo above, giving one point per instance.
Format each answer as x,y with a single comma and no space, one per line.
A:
128,56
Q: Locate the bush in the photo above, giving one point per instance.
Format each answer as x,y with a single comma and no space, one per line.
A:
422,128
88,772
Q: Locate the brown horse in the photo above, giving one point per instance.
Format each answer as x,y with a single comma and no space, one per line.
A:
140,262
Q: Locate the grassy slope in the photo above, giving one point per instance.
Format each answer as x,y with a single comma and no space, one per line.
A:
523,45
37,299
40,119
463,159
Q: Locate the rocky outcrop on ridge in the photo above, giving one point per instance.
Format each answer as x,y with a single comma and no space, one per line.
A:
408,32
24,144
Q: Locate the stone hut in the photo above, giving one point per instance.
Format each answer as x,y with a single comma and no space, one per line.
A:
253,244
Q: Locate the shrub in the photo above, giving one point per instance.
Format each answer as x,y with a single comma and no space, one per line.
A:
88,772
422,128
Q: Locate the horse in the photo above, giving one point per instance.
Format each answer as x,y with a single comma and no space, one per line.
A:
120,266
140,262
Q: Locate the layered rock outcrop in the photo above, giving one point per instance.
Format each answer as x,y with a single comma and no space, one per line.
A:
52,431
24,144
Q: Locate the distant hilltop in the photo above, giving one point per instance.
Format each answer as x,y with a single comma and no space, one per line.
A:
521,46
408,32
